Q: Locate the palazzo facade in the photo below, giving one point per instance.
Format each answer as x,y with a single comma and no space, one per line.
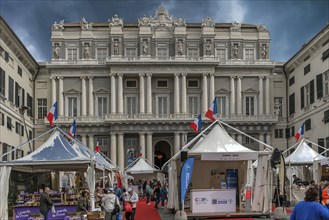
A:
135,88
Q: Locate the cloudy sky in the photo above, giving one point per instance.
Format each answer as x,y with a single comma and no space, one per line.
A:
291,22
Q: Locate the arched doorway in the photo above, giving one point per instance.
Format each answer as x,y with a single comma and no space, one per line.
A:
162,153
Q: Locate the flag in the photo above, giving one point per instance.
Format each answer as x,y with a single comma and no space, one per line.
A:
118,179
186,175
97,148
73,129
300,132
212,111
52,114
197,124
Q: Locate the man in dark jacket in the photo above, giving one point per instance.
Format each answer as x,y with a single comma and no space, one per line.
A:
45,203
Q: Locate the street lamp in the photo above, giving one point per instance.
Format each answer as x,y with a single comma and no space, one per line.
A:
22,110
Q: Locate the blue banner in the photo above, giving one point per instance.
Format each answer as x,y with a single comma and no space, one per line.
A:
185,177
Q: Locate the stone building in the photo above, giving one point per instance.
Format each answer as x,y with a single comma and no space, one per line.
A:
136,87
17,70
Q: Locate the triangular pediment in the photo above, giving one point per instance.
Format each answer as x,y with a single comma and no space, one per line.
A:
222,91
72,91
102,90
250,90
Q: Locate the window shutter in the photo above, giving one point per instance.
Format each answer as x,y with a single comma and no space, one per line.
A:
16,94
23,97
287,132
312,92
302,97
292,104
6,56
319,86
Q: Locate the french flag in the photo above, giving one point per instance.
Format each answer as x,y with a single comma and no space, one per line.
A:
73,129
212,111
197,124
300,132
52,114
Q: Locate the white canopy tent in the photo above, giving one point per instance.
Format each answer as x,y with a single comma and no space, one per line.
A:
219,146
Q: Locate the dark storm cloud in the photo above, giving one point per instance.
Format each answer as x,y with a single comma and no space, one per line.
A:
291,23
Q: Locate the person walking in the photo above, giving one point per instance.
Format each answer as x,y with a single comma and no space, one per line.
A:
45,203
163,193
149,193
157,194
111,204
131,198
325,195
310,209
82,205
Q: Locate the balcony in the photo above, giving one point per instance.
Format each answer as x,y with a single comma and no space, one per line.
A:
82,62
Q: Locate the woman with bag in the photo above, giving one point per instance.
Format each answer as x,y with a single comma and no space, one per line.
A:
130,204
111,205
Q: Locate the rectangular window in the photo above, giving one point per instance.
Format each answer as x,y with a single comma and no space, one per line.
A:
163,107
192,83
131,52
307,95
292,104
250,105
221,54
325,55
249,54
102,106
11,90
287,133
319,86
326,83
2,82
101,53
193,52
2,119
308,124
9,124
131,83
4,150
278,133
307,69
292,131
131,106
72,54
278,103
162,53
221,105
326,117
18,92
321,143
30,137
19,129
42,108
291,81
162,83
19,70
29,105
193,105
72,106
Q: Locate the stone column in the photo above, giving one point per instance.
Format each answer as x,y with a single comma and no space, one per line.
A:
204,93
176,93
149,148
184,95
211,88
176,142
261,98
120,94
113,155
267,96
232,96
121,157
268,139
261,138
84,139
83,96
91,142
91,96
53,90
149,94
141,95
239,138
239,96
60,97
183,139
113,95
142,144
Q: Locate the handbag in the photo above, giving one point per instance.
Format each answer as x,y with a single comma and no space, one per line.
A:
128,207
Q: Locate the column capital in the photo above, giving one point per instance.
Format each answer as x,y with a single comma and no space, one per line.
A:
149,133
141,133
91,135
211,74
60,77
232,77
184,74
261,77
177,74
53,77
113,74
83,77
113,133
120,74
177,132
205,74
148,74
239,77
120,133
267,77
141,74
90,77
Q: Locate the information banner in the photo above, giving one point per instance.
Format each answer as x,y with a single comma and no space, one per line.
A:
213,201
23,213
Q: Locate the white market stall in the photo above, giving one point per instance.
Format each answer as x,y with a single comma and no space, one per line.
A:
55,155
223,168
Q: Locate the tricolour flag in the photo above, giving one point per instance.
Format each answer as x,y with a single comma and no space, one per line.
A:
97,148
212,111
197,124
52,114
300,132
73,129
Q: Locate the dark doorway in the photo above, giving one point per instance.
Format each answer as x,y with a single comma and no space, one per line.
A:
161,153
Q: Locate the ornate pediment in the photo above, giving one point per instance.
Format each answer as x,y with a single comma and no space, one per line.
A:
86,25
250,91
235,26
102,90
72,91
207,22
222,91
116,21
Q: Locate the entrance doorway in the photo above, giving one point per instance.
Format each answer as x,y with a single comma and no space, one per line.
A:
162,153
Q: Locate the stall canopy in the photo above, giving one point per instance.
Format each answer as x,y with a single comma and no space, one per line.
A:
303,155
140,166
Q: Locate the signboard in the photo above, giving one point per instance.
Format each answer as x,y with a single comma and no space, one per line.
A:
213,201
23,213
229,156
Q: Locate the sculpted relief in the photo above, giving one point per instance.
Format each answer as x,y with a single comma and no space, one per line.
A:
58,26
116,21
86,25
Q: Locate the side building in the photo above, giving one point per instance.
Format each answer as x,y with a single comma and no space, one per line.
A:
17,70
134,88
308,91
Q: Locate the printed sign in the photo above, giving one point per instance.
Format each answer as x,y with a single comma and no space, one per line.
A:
229,156
23,213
